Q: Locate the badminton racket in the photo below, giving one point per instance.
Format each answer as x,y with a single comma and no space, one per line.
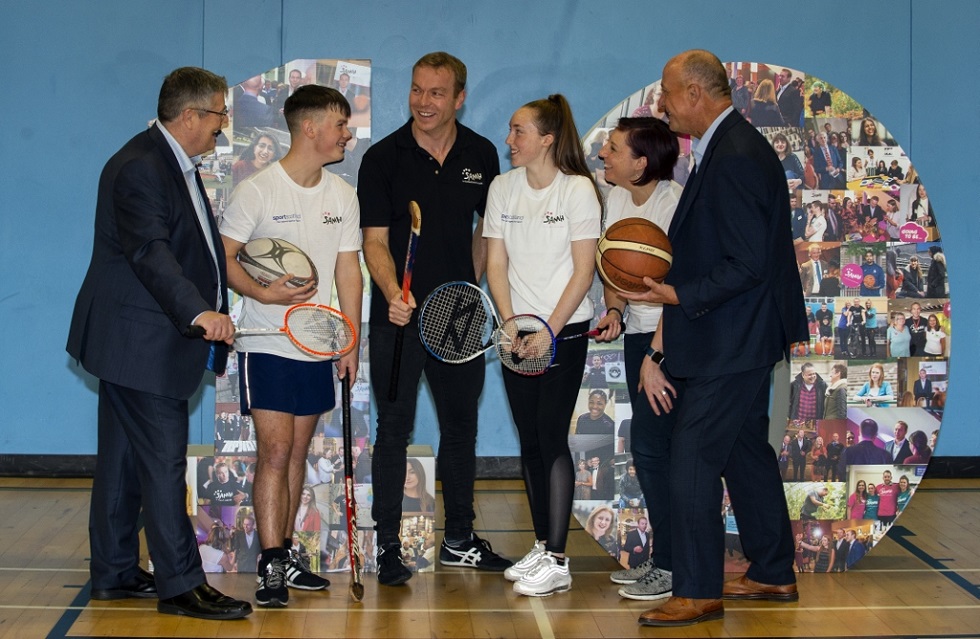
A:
353,548
315,329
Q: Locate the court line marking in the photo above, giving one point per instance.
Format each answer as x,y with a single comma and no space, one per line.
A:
541,618
536,607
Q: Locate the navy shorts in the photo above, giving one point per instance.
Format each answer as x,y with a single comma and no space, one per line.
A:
271,382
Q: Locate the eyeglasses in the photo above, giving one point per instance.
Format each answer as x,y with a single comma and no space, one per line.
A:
223,113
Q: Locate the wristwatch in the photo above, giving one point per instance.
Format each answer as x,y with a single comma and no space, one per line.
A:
656,356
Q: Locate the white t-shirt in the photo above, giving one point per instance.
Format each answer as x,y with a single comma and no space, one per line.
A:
322,221
538,227
643,317
934,345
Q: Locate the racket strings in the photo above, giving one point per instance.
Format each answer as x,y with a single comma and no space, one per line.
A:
318,331
456,323
525,344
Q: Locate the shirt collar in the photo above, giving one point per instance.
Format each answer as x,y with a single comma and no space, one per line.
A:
186,163
698,146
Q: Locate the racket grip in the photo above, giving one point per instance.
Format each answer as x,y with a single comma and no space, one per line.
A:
195,332
396,362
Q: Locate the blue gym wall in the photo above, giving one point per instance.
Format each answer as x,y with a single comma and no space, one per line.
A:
82,78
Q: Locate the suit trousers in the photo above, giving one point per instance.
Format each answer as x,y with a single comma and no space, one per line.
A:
142,463
722,431
650,446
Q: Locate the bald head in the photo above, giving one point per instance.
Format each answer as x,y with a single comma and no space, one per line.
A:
694,91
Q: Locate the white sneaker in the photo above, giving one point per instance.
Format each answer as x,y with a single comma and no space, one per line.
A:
632,575
656,584
521,568
545,578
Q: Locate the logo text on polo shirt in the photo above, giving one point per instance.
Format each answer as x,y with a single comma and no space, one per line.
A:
511,218
472,177
288,217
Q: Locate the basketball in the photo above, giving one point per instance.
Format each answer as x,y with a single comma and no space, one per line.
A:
266,259
631,249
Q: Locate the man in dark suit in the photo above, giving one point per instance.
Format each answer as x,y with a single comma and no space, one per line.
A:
154,272
866,452
638,543
789,99
898,449
828,164
733,274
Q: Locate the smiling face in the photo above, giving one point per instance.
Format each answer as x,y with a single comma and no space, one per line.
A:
602,522
676,100
411,479
204,126
265,151
330,135
527,145
597,405
433,101
620,165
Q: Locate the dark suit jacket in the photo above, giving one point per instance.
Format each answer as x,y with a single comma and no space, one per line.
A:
822,168
742,311
151,274
903,452
791,106
632,541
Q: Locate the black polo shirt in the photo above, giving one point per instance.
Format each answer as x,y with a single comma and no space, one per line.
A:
396,171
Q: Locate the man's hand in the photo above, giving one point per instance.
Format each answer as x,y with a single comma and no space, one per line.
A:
279,292
217,327
658,293
399,311
660,393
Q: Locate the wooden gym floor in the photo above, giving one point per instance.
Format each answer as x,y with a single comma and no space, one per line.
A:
921,581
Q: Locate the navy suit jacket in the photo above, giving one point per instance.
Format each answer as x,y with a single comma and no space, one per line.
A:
734,268
151,274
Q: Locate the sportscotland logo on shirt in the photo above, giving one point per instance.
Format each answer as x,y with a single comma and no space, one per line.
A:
472,177
332,219
288,217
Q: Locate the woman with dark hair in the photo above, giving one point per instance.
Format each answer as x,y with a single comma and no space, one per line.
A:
542,223
835,397
639,159
417,498
935,337
263,151
904,490
921,452
868,135
856,172
857,500
921,211
913,280
791,163
881,168
763,110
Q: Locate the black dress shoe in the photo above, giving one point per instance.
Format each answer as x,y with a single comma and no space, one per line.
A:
143,587
204,602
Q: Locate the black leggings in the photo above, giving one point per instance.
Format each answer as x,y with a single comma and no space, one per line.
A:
542,408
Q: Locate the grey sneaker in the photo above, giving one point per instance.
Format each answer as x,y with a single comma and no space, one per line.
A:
656,584
632,575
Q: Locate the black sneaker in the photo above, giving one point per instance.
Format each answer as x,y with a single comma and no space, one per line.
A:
473,553
272,591
391,570
299,575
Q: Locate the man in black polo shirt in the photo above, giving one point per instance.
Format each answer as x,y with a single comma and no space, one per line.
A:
447,169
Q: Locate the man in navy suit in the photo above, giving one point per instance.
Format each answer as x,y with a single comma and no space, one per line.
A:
828,164
155,272
732,306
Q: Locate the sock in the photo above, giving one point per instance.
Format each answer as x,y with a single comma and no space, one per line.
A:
457,542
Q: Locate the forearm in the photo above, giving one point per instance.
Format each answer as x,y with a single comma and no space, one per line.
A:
380,263
497,264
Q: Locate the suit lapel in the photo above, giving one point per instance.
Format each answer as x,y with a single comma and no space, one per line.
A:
694,184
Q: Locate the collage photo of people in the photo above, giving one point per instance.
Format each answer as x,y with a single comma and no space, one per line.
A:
220,501
867,390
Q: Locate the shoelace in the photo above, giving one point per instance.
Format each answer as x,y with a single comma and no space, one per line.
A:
275,574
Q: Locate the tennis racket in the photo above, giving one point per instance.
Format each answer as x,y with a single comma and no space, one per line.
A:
413,244
315,329
458,323
353,548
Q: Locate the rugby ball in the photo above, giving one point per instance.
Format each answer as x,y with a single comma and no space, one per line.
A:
266,259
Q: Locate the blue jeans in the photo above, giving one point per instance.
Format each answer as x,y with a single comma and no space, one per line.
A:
650,436
456,391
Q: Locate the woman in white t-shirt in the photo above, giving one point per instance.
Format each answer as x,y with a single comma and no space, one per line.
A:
935,337
542,223
639,159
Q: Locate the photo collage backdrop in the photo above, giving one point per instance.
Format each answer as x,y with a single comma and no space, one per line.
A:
220,502
868,388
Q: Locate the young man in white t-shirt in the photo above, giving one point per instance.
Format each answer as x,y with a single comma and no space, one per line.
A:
284,389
